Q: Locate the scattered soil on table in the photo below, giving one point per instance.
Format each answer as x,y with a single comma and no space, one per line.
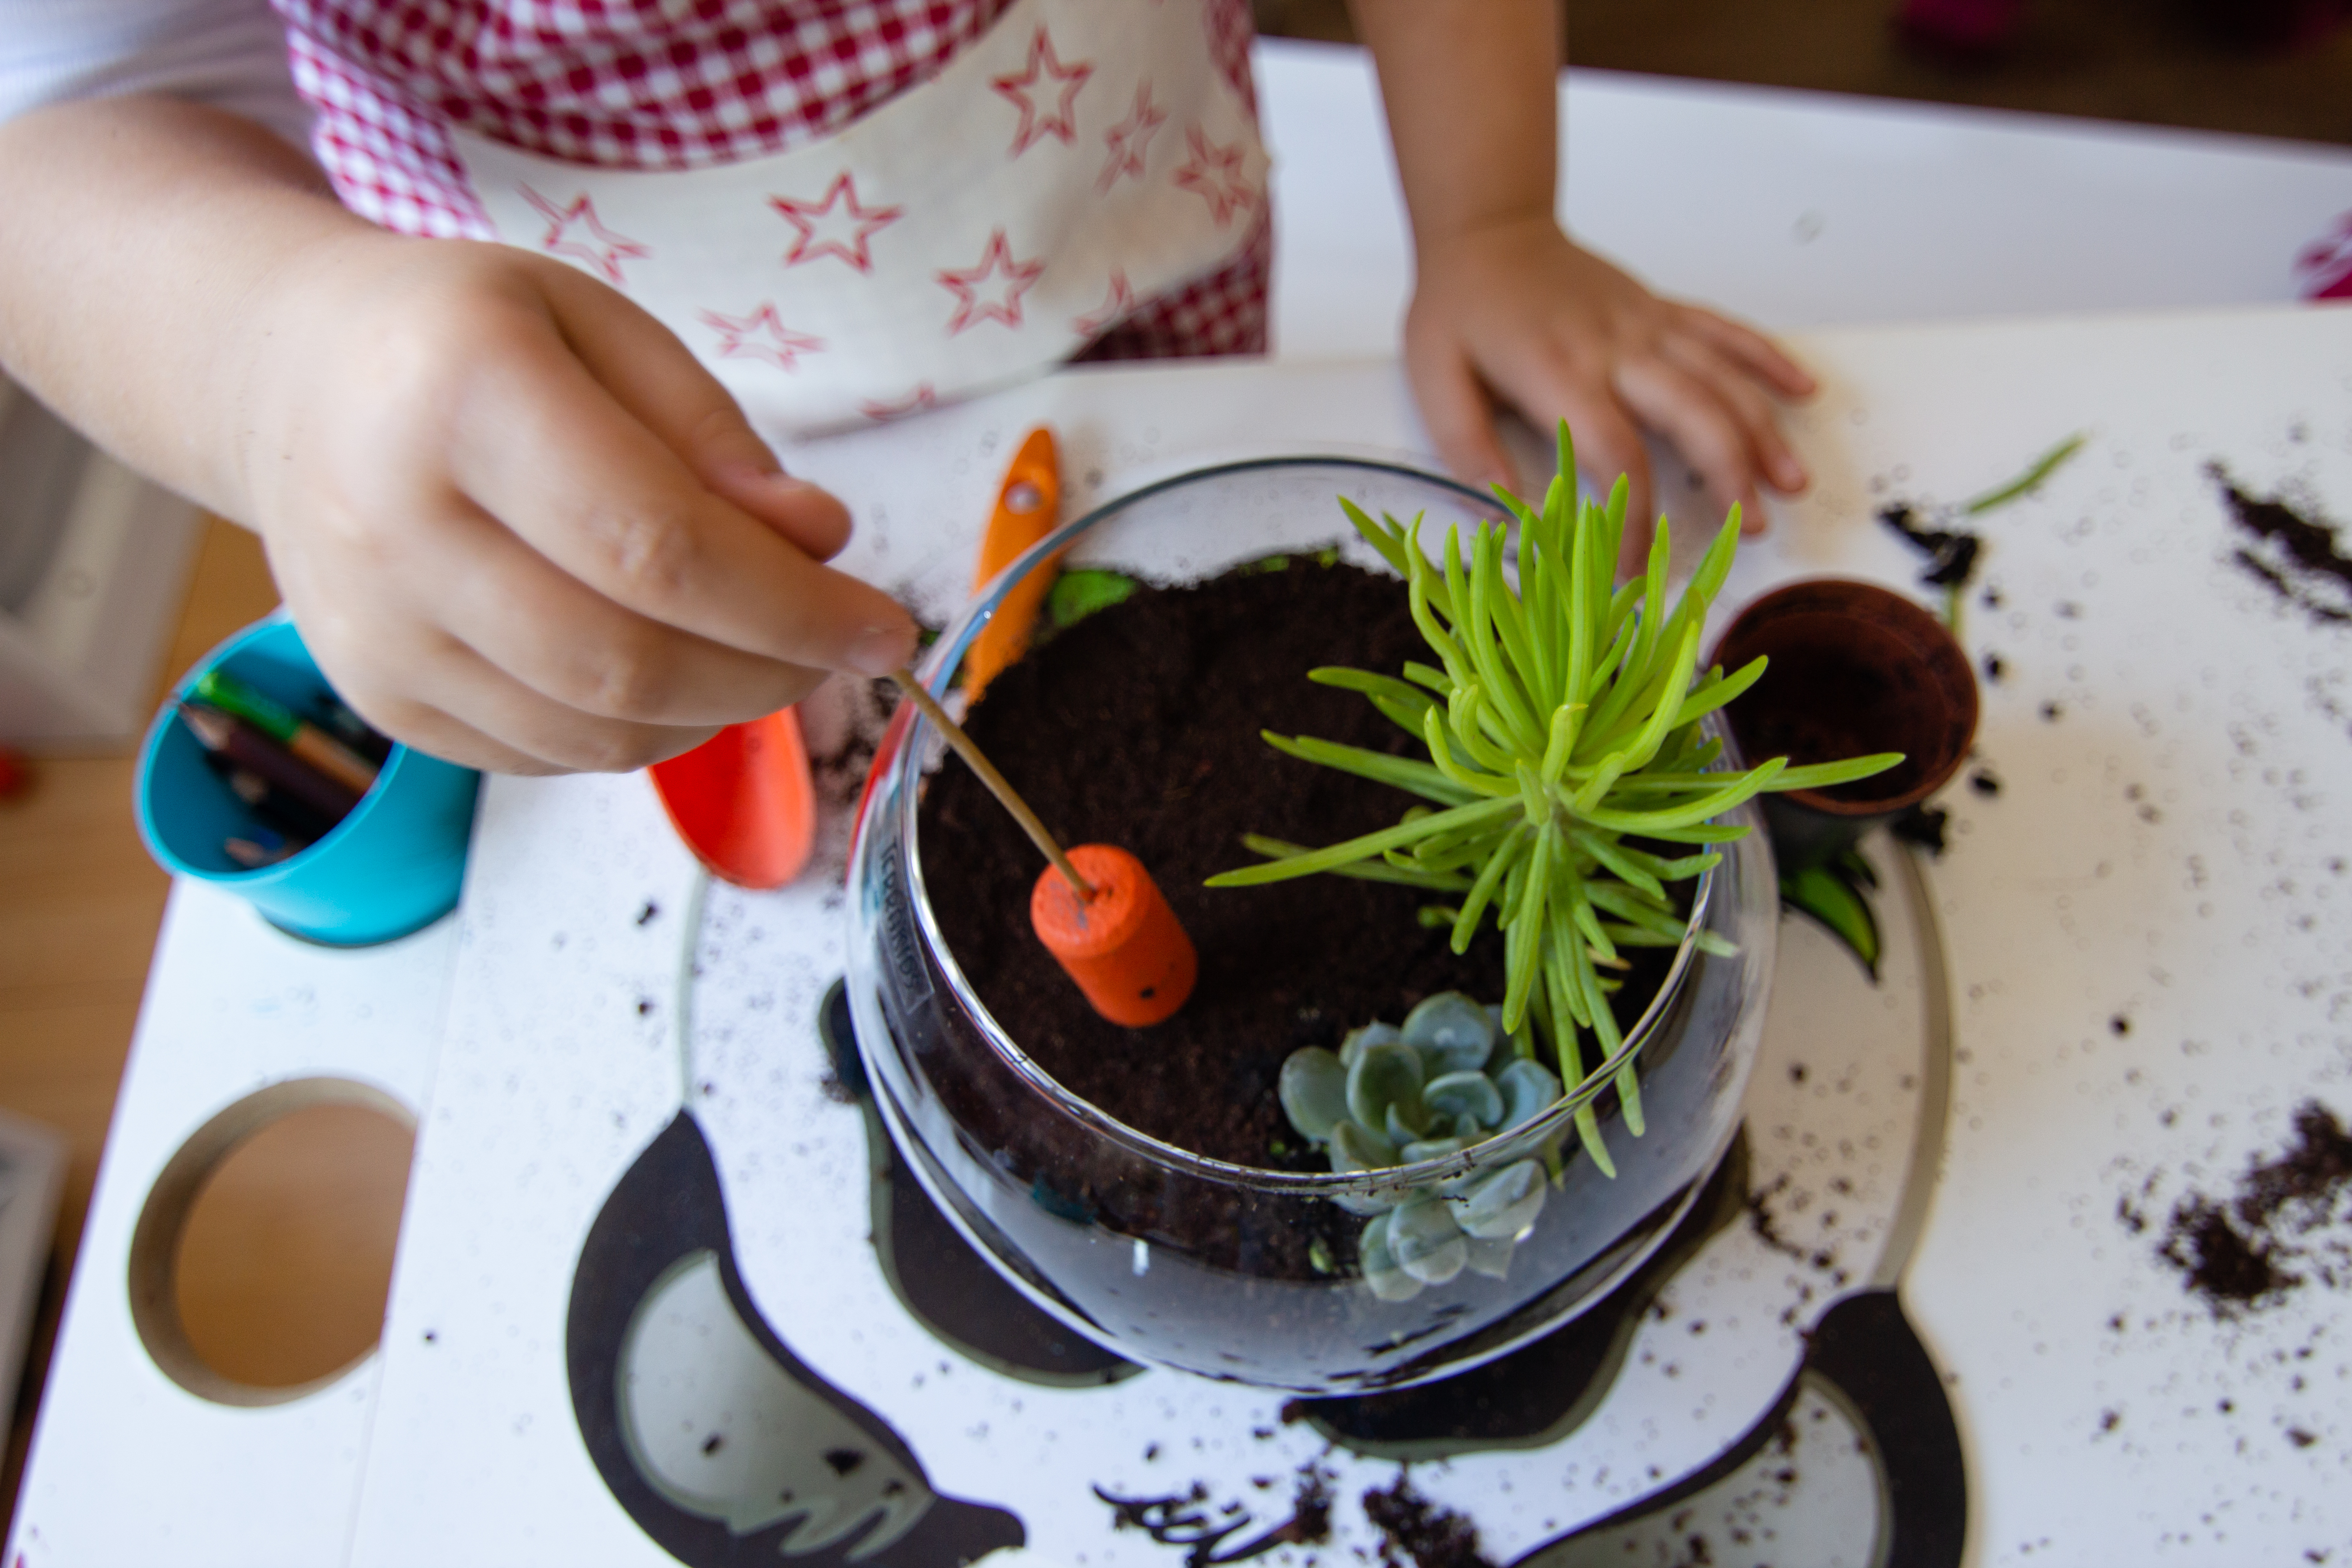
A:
2220,1263
1414,1528
2288,1222
1311,1505
864,708
2296,555
1950,554
1207,1529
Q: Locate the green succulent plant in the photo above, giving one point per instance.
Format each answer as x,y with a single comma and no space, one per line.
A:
1393,1096
1566,761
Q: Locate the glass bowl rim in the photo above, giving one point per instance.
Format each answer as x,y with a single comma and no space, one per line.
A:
906,759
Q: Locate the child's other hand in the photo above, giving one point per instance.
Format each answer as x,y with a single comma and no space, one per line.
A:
1513,309
520,526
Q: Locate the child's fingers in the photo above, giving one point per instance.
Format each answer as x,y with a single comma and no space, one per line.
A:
1609,444
556,459
654,377
1459,417
811,518
1548,381
470,690
562,639
422,684
1775,461
1548,389
1758,355
1687,411
429,730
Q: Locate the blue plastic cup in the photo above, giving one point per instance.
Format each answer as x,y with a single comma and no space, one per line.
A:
393,865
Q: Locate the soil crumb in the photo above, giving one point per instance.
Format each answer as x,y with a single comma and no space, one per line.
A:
2225,1266
1926,827
1311,1506
2288,1222
2295,554
1950,553
1415,1530
1206,1530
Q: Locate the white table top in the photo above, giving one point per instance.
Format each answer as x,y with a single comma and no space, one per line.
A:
1801,209
126,1467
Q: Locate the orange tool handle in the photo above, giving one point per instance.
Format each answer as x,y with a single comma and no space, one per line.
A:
1123,947
1027,505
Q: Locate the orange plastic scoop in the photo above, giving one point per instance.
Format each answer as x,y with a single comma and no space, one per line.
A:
743,801
1027,505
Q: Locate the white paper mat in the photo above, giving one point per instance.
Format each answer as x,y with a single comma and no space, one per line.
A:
2135,653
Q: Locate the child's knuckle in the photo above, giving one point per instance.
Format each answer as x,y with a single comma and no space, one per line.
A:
652,552
634,677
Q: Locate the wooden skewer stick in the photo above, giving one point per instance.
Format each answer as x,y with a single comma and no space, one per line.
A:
1003,792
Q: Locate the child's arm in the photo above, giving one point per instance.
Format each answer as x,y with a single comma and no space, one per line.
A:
519,524
1505,306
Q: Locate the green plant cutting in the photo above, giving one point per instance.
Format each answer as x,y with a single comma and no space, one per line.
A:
1567,763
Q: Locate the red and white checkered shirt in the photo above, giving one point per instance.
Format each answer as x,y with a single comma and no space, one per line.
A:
658,85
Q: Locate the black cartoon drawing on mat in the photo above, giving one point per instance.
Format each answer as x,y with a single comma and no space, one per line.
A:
1860,1460
936,1275
727,1447
724,1446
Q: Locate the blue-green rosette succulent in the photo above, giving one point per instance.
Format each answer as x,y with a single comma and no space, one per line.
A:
1396,1095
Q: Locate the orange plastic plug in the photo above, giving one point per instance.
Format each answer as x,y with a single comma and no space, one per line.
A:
1123,947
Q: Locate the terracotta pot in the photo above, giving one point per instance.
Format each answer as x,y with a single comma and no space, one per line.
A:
1855,668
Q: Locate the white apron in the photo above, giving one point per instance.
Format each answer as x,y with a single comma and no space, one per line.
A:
1083,157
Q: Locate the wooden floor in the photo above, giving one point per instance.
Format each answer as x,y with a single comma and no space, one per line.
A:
284,1262
312,1208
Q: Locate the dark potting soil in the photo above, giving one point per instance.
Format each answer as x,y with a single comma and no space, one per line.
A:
1821,704
1140,727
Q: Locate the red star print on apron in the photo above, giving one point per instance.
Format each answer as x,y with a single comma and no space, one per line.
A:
970,232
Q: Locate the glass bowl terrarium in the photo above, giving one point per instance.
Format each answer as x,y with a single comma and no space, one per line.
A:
1191,1197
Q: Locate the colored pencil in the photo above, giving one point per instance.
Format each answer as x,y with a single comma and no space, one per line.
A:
218,688
260,847
271,808
338,719
249,749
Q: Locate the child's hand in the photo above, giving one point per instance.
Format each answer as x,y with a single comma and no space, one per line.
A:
1513,309
516,520
1507,308
518,525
